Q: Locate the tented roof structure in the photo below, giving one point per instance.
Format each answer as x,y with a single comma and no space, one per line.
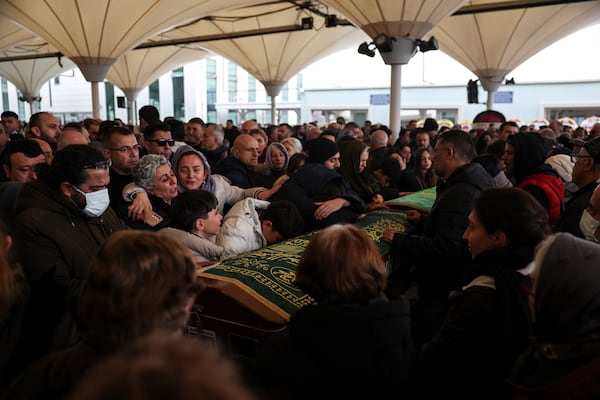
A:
94,34
263,36
138,68
492,44
406,22
29,75
272,58
12,34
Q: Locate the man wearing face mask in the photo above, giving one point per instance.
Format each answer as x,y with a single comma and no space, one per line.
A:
61,221
586,175
590,219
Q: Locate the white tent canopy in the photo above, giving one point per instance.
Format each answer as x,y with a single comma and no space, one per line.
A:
94,34
30,75
492,44
403,20
272,58
138,68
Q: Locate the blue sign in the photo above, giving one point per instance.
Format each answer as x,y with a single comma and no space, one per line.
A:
380,99
503,97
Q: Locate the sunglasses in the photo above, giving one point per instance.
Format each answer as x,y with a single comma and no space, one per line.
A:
162,142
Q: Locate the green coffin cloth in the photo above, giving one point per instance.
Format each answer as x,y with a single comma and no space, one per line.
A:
267,274
421,201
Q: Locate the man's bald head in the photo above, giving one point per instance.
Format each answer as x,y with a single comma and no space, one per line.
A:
379,139
245,149
248,125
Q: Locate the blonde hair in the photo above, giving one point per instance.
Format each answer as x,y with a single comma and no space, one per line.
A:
341,264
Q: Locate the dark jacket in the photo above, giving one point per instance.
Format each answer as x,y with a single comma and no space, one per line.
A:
439,251
343,351
158,207
314,182
11,325
55,242
214,156
487,328
569,221
233,169
55,375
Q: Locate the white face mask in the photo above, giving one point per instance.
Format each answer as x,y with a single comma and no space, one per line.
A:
588,225
95,202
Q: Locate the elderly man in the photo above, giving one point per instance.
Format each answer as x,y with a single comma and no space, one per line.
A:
239,166
194,133
586,175
212,145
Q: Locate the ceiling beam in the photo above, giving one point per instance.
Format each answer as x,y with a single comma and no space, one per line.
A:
512,5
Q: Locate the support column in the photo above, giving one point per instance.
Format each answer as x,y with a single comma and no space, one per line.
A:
395,101
95,100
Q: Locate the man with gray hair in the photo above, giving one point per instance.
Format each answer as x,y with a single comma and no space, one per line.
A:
212,144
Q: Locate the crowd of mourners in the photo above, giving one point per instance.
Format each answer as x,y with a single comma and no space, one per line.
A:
492,294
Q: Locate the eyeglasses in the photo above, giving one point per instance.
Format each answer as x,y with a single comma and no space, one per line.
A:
125,149
162,142
575,157
99,165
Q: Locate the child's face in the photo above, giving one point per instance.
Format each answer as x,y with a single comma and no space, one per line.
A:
212,223
270,234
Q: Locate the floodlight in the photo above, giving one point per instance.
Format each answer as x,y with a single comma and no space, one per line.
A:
510,81
307,23
364,48
430,44
383,43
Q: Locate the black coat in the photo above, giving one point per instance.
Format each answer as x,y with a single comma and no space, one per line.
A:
55,242
486,330
234,170
344,351
569,220
314,182
439,252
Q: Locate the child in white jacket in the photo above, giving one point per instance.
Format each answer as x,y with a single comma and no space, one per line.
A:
245,228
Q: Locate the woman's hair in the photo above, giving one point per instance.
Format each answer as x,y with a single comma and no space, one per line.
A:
258,131
295,143
515,212
296,161
268,157
148,369
190,205
138,282
427,179
145,170
350,152
341,264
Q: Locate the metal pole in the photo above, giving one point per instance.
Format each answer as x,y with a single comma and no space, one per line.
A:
395,106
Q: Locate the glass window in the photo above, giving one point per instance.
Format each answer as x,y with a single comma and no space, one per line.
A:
154,94
109,94
178,94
